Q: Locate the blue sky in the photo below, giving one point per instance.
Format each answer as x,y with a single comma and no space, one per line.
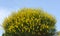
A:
51,6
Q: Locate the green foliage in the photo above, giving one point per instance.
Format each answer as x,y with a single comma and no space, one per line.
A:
29,22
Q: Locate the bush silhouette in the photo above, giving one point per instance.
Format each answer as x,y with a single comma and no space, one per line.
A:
29,22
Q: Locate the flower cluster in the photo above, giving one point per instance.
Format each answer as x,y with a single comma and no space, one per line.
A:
33,21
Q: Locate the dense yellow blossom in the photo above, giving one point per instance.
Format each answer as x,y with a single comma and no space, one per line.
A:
29,20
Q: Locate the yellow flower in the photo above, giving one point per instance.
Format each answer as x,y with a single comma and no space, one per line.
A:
29,30
30,27
39,16
31,18
47,26
22,25
9,29
16,26
37,20
40,29
27,20
22,30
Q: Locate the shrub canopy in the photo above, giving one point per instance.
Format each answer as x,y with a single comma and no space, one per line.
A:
29,22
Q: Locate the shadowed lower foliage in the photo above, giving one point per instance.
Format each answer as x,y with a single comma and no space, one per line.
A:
29,22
